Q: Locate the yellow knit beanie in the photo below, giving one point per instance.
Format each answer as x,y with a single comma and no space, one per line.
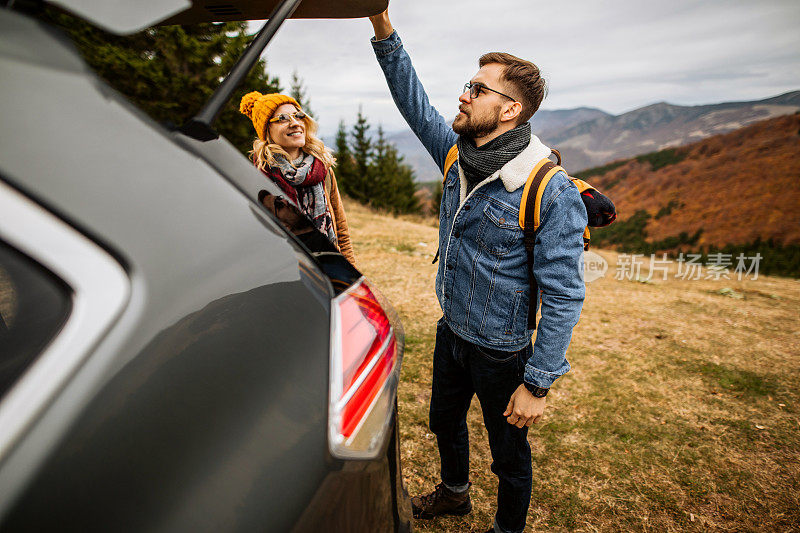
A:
260,107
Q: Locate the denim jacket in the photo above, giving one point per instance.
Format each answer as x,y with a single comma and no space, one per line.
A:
482,281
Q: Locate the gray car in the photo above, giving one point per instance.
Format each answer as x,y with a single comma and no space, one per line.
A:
173,356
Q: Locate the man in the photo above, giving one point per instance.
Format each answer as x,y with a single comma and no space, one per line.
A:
483,344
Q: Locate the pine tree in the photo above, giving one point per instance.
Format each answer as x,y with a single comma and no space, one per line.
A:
372,172
170,71
298,92
362,150
403,185
345,166
393,181
383,170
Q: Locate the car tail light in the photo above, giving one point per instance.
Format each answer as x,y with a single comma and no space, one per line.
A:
363,373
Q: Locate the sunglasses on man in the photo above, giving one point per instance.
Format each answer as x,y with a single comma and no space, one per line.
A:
475,89
285,118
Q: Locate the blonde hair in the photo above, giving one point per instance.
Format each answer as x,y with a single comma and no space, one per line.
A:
263,152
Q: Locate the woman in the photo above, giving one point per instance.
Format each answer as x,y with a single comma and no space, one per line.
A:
289,153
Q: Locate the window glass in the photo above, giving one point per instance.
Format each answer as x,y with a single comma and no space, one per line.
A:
34,304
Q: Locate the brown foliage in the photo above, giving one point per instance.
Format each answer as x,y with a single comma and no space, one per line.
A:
736,187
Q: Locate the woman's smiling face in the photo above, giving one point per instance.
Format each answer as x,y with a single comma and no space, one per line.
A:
289,135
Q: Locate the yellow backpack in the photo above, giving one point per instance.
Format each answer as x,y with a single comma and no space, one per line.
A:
599,208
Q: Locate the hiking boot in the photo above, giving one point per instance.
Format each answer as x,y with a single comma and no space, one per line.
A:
441,501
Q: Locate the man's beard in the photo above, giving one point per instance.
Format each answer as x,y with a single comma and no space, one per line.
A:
473,128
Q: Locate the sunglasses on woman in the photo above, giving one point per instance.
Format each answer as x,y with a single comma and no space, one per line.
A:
285,118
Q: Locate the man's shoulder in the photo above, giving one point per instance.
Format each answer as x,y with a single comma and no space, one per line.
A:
561,195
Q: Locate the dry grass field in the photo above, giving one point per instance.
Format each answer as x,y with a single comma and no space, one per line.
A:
681,412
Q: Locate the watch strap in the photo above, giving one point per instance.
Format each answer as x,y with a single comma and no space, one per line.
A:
538,392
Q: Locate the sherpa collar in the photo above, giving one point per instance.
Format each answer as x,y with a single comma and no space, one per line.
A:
515,173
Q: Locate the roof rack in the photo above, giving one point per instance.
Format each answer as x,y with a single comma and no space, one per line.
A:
200,126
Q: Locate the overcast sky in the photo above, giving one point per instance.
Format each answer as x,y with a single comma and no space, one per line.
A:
616,55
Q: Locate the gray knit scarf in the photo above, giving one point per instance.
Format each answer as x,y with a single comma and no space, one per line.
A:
310,197
480,163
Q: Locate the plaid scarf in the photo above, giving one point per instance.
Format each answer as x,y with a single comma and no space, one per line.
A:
302,182
480,163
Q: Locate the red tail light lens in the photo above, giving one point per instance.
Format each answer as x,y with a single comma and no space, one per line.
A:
363,373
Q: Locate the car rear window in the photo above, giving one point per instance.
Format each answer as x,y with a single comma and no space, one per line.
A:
34,304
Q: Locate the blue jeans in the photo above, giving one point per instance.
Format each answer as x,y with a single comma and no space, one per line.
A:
460,370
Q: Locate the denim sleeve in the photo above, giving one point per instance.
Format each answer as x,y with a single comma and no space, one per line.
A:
558,269
409,96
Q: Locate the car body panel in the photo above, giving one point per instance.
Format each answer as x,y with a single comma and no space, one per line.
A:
91,283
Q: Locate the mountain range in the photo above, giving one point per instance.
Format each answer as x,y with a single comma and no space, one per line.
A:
588,137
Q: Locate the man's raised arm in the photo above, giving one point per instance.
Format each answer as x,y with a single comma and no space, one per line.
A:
408,93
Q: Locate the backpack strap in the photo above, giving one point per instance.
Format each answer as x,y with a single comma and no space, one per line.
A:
531,204
582,188
451,158
582,185
529,220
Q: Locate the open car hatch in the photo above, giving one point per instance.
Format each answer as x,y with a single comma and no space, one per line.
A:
124,16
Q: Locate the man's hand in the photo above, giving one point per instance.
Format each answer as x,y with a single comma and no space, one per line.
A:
382,25
524,408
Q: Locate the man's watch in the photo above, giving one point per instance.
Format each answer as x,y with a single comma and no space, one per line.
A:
538,392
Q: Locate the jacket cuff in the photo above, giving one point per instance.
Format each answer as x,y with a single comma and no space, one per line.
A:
386,46
540,378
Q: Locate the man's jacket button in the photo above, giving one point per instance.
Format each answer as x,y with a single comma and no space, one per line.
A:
466,208
450,267
456,234
502,220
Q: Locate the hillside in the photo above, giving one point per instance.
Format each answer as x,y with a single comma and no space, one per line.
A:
731,189
546,122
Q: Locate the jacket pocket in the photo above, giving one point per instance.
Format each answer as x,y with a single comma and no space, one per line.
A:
515,310
499,231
